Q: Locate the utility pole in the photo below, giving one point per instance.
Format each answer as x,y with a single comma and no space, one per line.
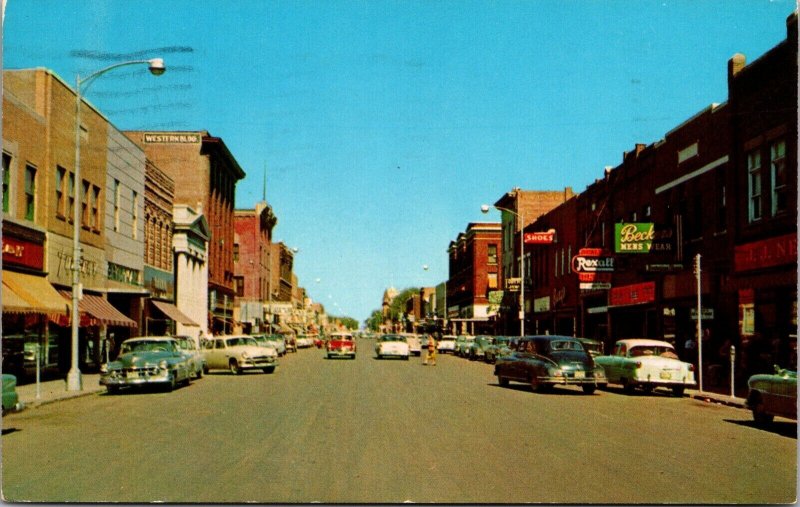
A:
697,271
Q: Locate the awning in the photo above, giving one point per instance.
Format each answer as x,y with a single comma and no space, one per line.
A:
174,313
100,311
23,293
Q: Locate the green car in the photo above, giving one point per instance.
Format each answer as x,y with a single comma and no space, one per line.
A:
148,360
11,401
773,394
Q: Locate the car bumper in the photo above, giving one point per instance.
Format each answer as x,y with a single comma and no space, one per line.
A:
257,363
394,353
342,352
126,381
595,381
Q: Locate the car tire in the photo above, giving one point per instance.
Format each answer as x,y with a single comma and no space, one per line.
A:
112,389
536,386
502,381
173,382
233,365
677,391
588,388
205,369
759,416
627,387
269,369
200,372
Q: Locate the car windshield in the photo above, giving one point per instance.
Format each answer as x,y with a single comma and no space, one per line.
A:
565,345
653,350
241,340
184,344
148,346
393,338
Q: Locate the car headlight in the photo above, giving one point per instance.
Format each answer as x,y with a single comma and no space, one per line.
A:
104,368
555,372
244,355
163,364
599,373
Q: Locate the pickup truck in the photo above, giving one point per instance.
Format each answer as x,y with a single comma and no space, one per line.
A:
341,345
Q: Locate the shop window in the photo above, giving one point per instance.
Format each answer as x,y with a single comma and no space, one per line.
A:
30,192
754,185
780,188
6,181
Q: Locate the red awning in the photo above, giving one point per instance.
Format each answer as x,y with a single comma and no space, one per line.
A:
99,312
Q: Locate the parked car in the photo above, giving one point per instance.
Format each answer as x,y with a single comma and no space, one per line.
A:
392,345
194,354
238,353
549,360
446,344
414,344
477,349
147,360
304,341
262,341
462,345
279,342
291,342
593,347
501,346
11,401
773,394
647,363
341,345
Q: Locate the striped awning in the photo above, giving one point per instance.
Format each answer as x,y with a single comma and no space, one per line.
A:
24,293
99,312
174,313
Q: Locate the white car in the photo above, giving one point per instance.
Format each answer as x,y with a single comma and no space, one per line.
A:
304,341
414,344
238,353
447,344
191,348
646,363
392,345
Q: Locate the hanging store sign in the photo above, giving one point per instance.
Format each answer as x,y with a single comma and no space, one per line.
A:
707,314
642,237
539,238
513,284
592,260
635,294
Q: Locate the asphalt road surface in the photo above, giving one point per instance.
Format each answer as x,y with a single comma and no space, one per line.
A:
392,431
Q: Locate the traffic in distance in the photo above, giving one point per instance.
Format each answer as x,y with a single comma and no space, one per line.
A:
543,362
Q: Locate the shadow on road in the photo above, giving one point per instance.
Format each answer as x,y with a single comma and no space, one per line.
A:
782,428
555,391
6,431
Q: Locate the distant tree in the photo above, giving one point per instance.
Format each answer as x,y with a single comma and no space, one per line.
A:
374,321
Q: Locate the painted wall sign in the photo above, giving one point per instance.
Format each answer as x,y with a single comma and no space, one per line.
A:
767,253
635,294
18,252
172,138
642,237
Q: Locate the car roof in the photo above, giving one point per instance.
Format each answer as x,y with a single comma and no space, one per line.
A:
632,342
150,338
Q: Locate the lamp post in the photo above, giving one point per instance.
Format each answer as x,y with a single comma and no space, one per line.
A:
485,209
156,66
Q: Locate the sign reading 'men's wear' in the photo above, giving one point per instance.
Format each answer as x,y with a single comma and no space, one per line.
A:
633,237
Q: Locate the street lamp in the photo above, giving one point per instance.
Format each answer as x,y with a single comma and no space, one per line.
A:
156,66
485,209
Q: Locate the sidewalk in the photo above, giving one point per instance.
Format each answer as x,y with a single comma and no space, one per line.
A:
724,399
56,390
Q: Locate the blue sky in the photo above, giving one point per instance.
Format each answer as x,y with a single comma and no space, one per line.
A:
384,125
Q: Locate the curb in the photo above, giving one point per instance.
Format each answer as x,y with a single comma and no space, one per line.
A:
34,403
731,402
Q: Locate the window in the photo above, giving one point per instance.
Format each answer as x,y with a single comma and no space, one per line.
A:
85,204
239,280
71,192
492,254
116,196
722,201
6,180
135,215
648,211
780,189
754,185
61,203
492,281
30,192
96,208
236,252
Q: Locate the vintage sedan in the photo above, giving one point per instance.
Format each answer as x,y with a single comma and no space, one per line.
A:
500,346
340,345
191,348
477,349
547,361
305,341
147,360
446,344
462,345
11,401
593,347
414,344
646,363
773,394
392,345
238,353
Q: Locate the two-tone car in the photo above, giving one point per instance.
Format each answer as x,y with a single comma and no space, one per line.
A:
647,364
194,354
340,344
392,345
462,345
239,353
500,346
478,347
549,360
147,360
446,344
773,394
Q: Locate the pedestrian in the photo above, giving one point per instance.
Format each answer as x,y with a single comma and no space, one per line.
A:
431,356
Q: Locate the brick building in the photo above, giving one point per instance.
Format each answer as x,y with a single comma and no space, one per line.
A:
474,271
252,263
205,174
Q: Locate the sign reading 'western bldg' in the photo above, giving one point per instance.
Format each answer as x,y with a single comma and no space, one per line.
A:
171,138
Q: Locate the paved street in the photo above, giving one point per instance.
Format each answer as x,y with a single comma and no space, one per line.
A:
391,431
